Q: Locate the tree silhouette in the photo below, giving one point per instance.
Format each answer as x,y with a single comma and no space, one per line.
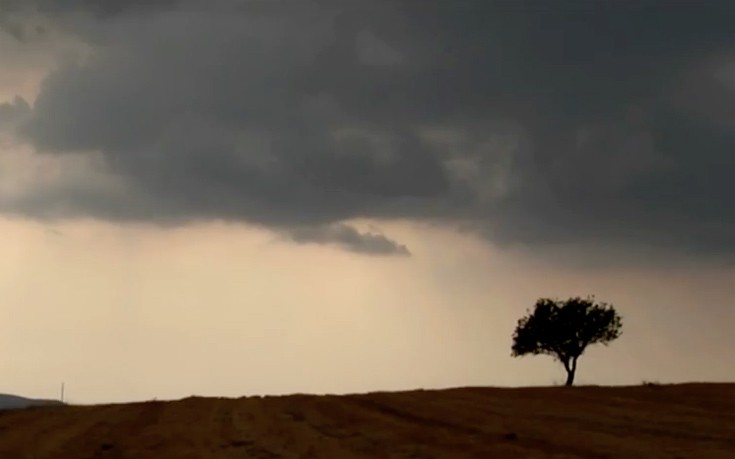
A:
564,329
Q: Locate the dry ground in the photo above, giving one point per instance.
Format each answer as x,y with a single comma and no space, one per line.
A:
677,421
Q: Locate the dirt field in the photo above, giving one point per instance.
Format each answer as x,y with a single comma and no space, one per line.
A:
678,421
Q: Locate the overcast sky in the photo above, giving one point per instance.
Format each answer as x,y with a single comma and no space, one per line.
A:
267,196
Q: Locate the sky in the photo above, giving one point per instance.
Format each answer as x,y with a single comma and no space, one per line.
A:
240,197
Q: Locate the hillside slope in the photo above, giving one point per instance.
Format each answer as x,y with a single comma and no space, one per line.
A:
12,402
678,421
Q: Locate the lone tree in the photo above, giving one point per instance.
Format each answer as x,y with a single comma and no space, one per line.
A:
564,329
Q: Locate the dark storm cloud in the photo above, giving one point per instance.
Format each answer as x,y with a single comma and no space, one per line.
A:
99,8
14,14
593,122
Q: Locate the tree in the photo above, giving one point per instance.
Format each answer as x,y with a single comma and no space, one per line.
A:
564,329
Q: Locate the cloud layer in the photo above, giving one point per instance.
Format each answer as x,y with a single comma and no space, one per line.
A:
597,123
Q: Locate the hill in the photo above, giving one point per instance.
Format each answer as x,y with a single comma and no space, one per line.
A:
671,421
12,402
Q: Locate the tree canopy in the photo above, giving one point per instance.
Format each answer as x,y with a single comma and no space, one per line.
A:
564,329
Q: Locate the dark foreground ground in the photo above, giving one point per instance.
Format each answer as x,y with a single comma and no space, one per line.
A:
677,421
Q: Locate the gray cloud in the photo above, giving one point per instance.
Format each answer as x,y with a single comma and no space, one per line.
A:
350,238
599,123
13,113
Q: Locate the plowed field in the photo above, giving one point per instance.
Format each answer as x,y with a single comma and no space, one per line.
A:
676,421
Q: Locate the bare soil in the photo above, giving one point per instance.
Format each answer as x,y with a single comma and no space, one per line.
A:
667,421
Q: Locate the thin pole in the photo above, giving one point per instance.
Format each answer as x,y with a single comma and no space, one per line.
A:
62,392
